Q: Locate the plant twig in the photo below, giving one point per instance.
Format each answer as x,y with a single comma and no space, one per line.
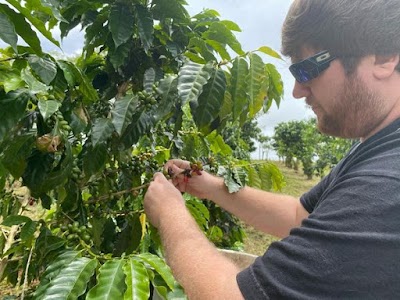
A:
94,200
24,287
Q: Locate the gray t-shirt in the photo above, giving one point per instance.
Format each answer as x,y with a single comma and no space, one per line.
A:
349,246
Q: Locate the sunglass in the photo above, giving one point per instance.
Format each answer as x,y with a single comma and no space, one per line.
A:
311,67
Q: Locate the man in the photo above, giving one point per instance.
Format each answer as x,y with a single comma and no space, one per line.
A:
341,240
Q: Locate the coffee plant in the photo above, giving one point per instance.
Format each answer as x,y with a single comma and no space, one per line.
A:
81,139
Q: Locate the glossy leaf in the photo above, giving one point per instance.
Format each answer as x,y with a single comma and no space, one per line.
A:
254,178
35,86
271,177
94,159
34,21
275,90
23,28
102,130
255,87
160,267
110,282
123,111
269,51
15,220
48,108
145,26
16,154
45,68
141,125
149,79
218,145
210,101
121,22
136,280
12,109
192,78
28,231
238,86
220,33
72,281
51,272
7,31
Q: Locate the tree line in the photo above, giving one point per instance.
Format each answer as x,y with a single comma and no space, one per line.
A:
299,143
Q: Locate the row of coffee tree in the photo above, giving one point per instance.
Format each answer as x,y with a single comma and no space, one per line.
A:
81,139
299,143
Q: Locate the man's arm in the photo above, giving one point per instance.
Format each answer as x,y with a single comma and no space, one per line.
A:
203,272
271,213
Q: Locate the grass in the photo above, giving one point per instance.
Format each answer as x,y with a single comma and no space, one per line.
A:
257,242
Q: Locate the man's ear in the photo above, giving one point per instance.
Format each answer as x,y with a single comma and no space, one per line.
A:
385,65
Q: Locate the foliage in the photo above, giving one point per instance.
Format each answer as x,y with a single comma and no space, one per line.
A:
82,139
300,141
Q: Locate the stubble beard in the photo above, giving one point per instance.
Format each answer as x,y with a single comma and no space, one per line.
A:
356,112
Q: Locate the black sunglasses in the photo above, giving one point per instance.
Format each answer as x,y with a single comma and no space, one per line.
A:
311,67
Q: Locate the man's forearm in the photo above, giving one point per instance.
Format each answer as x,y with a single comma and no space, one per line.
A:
272,213
197,265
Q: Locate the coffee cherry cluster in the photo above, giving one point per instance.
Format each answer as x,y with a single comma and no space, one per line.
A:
147,100
76,172
75,232
100,108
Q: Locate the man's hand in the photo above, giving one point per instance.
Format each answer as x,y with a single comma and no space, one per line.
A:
161,197
197,185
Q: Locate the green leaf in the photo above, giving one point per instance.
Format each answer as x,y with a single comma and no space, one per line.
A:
12,109
51,272
94,159
231,25
168,89
149,79
48,108
141,125
269,51
34,21
123,111
271,177
219,48
220,33
16,154
230,179
23,29
71,73
275,90
255,87
199,45
72,281
15,220
102,130
45,68
35,86
145,26
28,231
218,145
254,178
160,267
238,86
110,282
121,22
11,80
119,56
7,31
136,280
210,101
192,78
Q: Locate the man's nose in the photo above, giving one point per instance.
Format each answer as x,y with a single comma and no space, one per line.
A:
300,90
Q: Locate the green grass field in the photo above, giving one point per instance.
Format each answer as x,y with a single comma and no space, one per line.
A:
257,242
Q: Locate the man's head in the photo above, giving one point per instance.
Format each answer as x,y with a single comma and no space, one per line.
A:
348,29
347,62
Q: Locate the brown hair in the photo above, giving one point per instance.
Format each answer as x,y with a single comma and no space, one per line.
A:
348,29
